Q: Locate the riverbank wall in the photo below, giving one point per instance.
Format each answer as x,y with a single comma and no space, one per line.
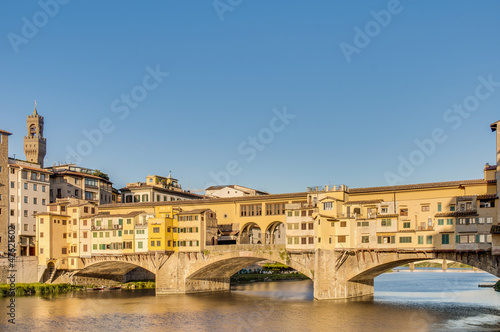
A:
21,270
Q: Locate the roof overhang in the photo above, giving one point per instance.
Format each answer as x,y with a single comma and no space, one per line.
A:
493,126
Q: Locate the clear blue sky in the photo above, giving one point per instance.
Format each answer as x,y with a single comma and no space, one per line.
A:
353,119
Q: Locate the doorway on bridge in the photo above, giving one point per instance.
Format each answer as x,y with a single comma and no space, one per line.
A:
251,234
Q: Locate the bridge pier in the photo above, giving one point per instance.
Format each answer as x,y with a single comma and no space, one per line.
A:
331,278
172,277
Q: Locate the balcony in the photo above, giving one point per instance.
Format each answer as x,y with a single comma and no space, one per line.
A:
299,206
425,228
106,228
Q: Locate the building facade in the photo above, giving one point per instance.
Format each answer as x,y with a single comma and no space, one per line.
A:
64,233
155,189
4,190
29,187
232,191
71,181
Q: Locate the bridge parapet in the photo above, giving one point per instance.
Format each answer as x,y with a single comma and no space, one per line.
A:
244,247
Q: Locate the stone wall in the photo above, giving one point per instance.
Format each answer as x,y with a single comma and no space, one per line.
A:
4,191
26,269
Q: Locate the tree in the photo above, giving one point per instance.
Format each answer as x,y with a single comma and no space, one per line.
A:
100,174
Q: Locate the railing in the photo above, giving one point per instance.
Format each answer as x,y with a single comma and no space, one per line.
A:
298,206
340,187
106,228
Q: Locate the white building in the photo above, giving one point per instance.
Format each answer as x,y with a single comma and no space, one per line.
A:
29,187
233,190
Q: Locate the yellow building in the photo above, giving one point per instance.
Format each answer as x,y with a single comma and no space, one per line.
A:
196,229
162,230
115,234
63,233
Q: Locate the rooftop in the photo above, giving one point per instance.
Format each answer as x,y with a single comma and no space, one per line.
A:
419,186
5,132
122,215
237,187
197,211
494,125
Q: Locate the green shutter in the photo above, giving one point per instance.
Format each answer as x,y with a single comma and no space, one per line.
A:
477,238
379,239
457,239
393,239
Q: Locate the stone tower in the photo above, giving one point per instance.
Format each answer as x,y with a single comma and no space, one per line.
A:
35,143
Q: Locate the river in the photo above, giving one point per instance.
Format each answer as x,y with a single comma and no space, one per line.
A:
403,301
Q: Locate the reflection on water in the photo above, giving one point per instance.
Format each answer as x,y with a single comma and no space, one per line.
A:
409,301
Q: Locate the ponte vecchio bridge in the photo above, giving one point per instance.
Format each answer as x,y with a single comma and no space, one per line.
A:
336,273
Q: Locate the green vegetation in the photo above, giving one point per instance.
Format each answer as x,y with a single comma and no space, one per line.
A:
101,174
275,267
454,265
39,289
251,277
497,286
149,284
284,256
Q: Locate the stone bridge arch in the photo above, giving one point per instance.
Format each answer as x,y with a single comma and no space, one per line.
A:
111,266
224,264
351,273
378,263
212,270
